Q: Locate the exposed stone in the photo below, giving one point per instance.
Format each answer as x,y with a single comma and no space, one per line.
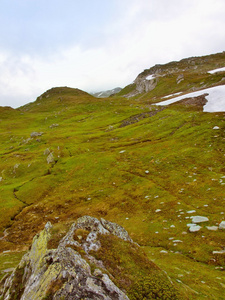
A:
35,134
16,166
50,158
219,252
164,251
191,211
194,228
136,118
47,151
222,225
197,102
199,219
64,267
145,85
212,228
180,78
8,270
53,125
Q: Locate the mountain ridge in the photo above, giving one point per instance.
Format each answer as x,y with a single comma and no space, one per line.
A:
177,72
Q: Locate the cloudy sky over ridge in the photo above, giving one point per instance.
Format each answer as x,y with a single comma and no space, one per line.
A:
97,45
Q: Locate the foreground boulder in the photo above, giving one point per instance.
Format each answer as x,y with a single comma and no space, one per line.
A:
83,264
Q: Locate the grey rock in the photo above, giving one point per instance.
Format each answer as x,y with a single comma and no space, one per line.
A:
180,78
212,228
50,158
143,85
35,134
47,151
199,219
222,225
191,211
43,268
53,125
8,270
194,228
219,252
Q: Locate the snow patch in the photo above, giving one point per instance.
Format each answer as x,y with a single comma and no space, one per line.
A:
150,77
217,70
215,98
172,95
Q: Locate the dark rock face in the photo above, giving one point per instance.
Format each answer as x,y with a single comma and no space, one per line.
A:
197,102
63,273
139,117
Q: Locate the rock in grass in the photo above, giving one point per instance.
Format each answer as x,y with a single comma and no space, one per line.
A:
194,228
47,151
35,134
199,219
50,158
82,265
191,211
63,273
212,228
53,125
219,252
222,225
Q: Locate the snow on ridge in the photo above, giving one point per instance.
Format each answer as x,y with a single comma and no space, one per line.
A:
215,98
217,70
168,96
150,77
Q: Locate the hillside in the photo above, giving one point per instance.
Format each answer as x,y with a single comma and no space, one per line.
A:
156,170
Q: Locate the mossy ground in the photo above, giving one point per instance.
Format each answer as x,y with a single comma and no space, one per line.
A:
132,271
194,279
8,261
146,176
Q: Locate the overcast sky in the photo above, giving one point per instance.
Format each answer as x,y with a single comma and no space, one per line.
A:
96,45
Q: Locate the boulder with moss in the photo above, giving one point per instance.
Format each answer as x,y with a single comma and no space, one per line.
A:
95,259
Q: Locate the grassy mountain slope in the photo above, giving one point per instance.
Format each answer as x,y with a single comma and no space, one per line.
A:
179,76
149,169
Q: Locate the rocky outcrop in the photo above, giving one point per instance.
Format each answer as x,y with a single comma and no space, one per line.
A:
67,271
137,118
144,85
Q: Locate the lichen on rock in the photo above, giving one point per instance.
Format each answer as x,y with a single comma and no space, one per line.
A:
63,273
95,259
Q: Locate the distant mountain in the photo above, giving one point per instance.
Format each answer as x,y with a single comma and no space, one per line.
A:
108,93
